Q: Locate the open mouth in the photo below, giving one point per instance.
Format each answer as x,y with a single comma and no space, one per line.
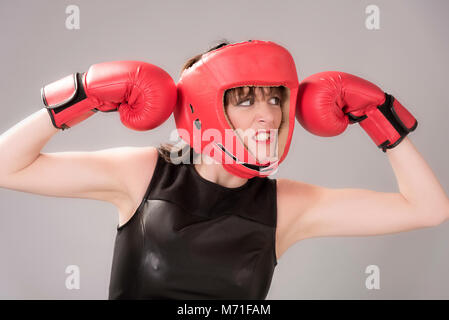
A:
262,136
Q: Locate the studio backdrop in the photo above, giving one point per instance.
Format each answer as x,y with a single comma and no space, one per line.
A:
401,46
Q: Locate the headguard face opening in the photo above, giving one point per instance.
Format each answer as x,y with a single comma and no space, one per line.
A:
200,114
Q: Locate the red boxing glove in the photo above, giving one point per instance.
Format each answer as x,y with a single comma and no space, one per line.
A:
144,95
329,101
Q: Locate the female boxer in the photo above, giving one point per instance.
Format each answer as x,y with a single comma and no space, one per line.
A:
215,228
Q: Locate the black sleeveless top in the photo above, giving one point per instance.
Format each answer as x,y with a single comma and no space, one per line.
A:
193,239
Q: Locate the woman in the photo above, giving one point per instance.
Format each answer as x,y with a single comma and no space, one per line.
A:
216,229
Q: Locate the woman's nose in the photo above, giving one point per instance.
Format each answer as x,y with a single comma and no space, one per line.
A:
265,112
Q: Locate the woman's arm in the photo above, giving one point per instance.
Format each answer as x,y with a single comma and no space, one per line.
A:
95,175
21,145
110,175
317,211
417,183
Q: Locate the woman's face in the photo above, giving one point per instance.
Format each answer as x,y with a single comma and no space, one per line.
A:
256,115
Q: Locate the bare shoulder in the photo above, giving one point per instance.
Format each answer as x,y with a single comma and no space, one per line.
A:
293,200
295,196
136,171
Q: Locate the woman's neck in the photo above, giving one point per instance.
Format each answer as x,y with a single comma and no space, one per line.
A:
213,171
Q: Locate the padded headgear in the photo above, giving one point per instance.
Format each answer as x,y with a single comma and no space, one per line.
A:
201,90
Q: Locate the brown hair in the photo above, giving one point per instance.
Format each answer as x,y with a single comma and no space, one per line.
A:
235,95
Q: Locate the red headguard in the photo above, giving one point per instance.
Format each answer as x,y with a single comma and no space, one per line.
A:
200,108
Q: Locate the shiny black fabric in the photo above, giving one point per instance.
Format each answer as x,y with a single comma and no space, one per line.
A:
194,239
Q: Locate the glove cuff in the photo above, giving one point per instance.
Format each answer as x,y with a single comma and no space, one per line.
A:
389,123
58,98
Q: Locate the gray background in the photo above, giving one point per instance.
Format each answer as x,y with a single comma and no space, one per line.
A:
40,236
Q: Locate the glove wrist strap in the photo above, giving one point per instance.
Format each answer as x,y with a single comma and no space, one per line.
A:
389,123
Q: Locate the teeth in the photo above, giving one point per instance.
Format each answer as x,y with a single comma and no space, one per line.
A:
263,136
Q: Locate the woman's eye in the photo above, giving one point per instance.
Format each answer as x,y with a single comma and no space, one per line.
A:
276,100
246,102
